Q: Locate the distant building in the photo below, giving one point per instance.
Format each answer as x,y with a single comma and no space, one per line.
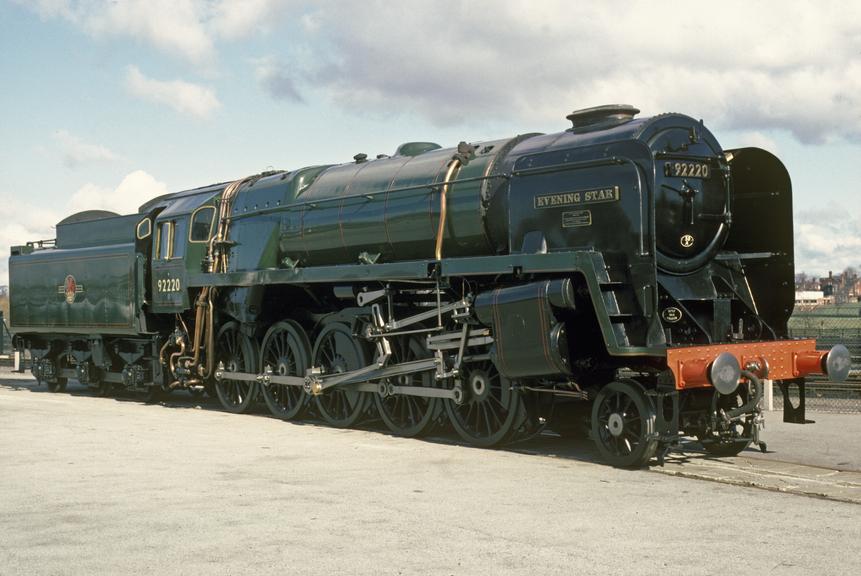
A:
843,288
812,298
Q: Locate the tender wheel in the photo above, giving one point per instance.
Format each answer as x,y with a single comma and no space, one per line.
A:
490,406
236,351
408,415
59,383
337,351
738,437
104,389
155,394
623,424
287,352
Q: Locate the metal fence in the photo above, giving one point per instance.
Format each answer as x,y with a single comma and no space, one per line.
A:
830,325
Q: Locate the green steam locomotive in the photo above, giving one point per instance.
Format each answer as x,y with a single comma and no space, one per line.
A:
626,278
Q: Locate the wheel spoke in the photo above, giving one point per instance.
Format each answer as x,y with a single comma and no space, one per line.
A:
625,405
487,417
337,350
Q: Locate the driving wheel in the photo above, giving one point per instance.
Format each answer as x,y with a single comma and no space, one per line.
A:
236,352
336,351
286,352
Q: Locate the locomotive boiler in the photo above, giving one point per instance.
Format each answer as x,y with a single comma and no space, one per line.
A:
625,278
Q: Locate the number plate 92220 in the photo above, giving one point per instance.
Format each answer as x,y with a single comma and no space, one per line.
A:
682,169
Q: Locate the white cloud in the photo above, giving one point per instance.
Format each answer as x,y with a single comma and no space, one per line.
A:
745,138
76,152
22,222
233,19
762,66
135,189
184,97
827,239
185,28
175,27
791,66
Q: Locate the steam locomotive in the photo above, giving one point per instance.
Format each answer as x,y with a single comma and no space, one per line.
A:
626,278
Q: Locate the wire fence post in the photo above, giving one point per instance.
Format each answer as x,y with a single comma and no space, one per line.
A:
767,395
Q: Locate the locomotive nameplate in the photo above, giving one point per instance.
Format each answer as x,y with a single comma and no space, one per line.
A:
577,218
593,196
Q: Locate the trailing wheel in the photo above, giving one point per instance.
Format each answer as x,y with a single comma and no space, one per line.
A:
236,352
490,406
336,350
736,436
286,352
623,424
408,415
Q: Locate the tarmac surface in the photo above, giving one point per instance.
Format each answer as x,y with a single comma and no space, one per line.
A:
94,485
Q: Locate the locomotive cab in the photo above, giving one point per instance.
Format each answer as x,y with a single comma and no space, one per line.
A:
180,232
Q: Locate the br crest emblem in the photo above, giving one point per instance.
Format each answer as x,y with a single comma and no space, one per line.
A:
70,289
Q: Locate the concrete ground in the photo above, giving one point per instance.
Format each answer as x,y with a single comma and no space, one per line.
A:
829,441
114,486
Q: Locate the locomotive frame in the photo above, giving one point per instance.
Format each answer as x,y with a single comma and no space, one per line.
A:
628,279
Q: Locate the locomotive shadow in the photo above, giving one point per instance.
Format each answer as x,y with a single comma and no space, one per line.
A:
547,444
13,381
178,399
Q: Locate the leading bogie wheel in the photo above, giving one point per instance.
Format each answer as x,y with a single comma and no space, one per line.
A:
237,353
623,424
407,415
285,351
336,350
490,407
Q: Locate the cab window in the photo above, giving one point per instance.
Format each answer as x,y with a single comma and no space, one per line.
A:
201,224
164,240
180,228
170,239
144,229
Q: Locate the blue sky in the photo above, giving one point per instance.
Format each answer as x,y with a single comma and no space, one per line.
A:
109,102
